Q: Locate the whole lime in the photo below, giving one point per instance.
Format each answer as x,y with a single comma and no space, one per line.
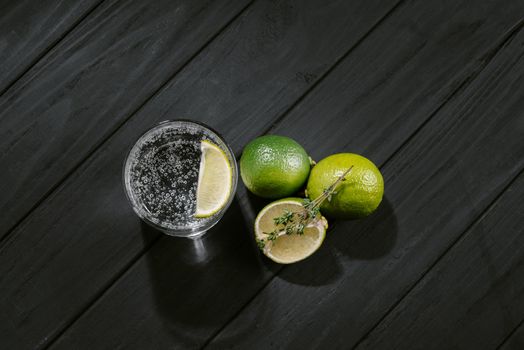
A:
274,166
357,196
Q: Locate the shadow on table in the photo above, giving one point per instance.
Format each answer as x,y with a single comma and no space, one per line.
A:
366,239
372,237
199,284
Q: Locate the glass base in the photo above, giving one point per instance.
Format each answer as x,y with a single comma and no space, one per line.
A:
193,235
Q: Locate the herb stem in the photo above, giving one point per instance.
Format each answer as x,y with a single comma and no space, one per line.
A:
296,222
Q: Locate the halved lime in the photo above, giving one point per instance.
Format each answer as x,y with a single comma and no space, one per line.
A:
215,180
287,249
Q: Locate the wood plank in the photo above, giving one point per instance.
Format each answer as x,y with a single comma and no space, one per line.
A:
86,233
474,296
157,302
516,340
28,29
84,88
436,185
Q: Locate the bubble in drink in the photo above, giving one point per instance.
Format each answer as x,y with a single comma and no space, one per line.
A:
161,176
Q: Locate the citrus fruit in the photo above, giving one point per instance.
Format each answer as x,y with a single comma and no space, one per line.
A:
357,196
215,180
274,166
287,249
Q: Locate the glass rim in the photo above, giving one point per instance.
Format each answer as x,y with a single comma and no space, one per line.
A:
180,231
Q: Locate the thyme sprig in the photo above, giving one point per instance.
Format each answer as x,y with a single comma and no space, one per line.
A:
296,222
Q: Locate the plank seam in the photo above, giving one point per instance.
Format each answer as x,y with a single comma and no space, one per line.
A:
51,46
95,148
511,34
122,272
461,237
52,339
137,257
486,58
510,334
283,116
274,125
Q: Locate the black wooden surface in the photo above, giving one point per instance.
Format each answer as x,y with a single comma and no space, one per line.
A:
30,29
515,340
431,91
89,84
474,296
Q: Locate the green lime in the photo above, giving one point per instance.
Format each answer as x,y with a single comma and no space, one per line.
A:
274,166
357,196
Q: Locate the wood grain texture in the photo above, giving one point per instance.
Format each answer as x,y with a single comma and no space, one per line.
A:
84,88
85,235
166,307
515,341
29,28
436,185
474,296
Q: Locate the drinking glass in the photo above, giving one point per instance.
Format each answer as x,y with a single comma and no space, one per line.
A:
161,176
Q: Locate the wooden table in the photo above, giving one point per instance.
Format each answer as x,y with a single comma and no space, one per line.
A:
431,91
